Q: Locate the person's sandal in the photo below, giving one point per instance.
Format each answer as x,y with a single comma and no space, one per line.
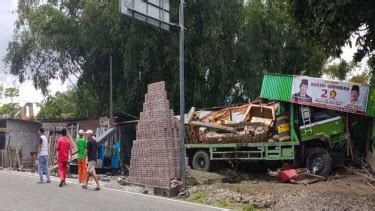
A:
84,186
97,189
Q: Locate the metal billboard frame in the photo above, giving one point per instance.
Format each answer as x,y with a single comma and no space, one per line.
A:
154,12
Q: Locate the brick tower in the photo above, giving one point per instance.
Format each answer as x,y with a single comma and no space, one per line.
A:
155,157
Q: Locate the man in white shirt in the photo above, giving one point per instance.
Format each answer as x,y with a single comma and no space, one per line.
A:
43,156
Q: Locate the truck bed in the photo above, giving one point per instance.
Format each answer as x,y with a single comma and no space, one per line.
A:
248,151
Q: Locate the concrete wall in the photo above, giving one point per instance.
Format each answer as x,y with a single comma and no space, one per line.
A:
23,135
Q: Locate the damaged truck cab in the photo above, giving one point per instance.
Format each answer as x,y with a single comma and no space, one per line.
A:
308,121
321,138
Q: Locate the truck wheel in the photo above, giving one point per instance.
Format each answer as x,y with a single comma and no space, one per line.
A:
201,161
319,161
298,162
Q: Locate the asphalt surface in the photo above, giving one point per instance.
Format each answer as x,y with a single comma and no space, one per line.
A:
19,191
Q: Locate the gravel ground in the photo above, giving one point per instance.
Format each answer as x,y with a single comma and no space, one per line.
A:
340,192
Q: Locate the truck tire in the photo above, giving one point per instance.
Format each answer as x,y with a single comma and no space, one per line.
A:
319,161
298,162
201,161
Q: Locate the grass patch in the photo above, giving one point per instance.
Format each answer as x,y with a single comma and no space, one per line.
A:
224,204
199,197
248,207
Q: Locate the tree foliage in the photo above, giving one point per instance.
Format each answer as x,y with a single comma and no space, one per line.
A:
69,104
360,78
371,65
230,44
10,110
57,107
12,92
269,41
339,71
333,23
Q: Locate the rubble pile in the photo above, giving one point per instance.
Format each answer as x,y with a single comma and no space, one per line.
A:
156,154
249,123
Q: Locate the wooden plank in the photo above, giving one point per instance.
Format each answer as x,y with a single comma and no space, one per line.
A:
245,119
219,114
10,158
359,174
5,158
72,144
54,167
213,126
190,115
370,159
191,135
19,164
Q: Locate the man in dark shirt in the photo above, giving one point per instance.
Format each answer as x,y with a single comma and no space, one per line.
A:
92,155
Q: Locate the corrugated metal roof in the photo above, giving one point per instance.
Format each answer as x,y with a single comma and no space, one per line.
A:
277,87
105,136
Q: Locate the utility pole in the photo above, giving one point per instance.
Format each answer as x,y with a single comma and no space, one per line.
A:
110,92
103,3
182,93
145,16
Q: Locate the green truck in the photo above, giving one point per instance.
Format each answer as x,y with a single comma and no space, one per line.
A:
328,122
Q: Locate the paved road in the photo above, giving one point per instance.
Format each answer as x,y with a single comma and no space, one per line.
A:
21,192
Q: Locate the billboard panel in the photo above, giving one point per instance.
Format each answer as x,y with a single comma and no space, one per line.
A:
154,12
336,95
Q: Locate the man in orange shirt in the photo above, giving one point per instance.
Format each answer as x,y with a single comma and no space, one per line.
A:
63,148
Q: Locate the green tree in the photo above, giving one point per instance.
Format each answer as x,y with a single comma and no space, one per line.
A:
333,23
371,65
10,109
62,105
360,78
69,104
11,93
339,71
269,41
230,44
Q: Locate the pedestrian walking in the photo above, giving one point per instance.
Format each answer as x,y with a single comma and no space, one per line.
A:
82,164
63,148
92,155
43,157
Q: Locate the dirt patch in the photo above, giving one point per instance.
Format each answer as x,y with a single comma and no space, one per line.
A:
203,178
340,192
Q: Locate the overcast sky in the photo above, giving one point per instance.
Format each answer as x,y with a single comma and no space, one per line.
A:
27,91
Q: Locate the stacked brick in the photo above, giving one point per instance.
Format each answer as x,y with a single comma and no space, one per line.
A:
155,157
